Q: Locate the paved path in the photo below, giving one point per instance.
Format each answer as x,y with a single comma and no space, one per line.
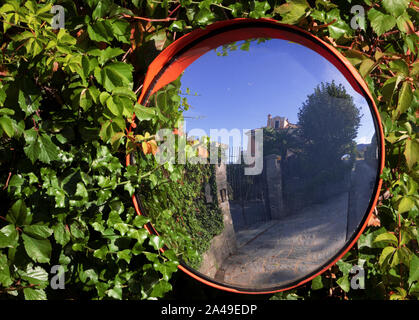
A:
281,251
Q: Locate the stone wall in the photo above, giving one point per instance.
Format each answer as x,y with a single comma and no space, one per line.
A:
273,176
224,244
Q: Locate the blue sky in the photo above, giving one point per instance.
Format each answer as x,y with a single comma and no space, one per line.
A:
242,88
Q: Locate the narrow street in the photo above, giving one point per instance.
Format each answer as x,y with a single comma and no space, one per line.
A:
280,251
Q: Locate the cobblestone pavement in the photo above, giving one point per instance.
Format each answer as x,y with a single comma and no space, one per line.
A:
280,251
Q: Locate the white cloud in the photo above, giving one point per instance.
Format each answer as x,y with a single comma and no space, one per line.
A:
363,140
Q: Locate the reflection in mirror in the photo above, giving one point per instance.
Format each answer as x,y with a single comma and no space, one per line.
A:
268,168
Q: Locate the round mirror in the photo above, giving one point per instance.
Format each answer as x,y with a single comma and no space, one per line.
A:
270,168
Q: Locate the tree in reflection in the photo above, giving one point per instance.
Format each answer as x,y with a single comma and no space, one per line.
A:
328,124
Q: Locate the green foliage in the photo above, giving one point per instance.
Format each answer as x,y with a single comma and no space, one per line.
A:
184,219
67,96
279,141
328,124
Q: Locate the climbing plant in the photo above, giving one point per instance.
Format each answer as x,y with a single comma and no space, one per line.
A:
67,96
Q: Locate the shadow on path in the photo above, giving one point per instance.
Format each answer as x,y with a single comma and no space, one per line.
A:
281,251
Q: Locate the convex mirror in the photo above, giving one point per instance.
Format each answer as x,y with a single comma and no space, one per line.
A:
267,149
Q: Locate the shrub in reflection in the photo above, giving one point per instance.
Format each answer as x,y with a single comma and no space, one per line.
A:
328,124
311,152
184,209
173,194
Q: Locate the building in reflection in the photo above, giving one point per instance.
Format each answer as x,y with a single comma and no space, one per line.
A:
281,125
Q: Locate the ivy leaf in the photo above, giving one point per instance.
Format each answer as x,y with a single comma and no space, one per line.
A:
178,25
411,153
37,231
7,111
411,41
5,279
236,9
25,103
100,31
17,213
317,283
7,8
32,151
345,267
204,16
415,68
166,269
259,9
125,93
161,288
115,292
116,139
366,67
404,23
140,221
292,11
7,125
401,256
140,235
343,282
9,237
156,242
338,28
37,250
110,128
116,74
77,230
160,39
101,288
49,151
387,237
61,234
386,255
381,22
40,147
34,294
116,109
405,98
101,253
144,113
125,255
121,30
405,204
101,9
390,86
65,38
395,7
89,276
399,295
107,54
35,275
414,269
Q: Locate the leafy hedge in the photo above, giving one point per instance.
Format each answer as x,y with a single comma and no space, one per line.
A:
177,206
67,95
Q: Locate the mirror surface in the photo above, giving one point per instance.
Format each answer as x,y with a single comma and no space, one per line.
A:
273,165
